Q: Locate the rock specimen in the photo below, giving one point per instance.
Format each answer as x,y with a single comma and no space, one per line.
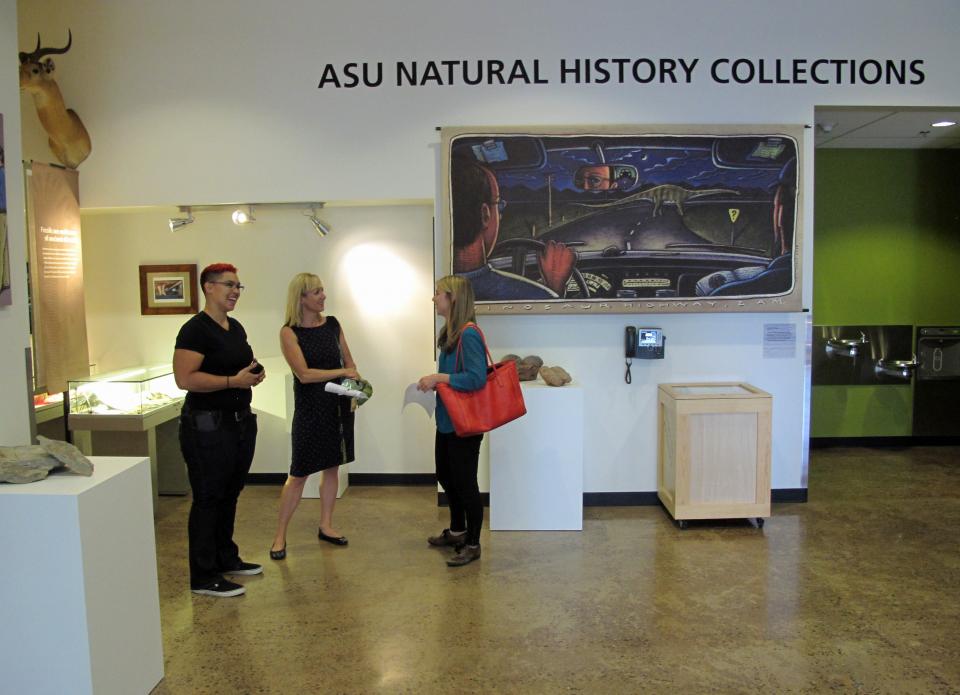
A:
555,376
27,464
67,454
528,367
510,356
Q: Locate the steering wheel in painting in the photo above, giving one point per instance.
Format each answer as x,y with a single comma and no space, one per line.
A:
519,248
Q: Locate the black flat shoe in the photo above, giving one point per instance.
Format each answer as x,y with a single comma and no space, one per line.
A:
336,540
279,554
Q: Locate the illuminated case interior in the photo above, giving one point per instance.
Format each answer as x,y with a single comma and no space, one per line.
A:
133,391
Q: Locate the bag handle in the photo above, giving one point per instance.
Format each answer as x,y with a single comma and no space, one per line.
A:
483,339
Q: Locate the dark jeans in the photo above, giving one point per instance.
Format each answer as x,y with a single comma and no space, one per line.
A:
218,452
457,459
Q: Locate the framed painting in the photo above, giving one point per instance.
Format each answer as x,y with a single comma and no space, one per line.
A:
168,289
633,219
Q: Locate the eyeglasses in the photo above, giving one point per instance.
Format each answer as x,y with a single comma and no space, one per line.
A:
594,181
229,284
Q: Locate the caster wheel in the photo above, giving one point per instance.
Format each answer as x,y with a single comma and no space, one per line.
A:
682,523
759,522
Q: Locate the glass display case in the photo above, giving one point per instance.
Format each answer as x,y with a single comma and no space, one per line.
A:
131,412
47,406
134,391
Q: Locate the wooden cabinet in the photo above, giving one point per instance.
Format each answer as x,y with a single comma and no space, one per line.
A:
714,451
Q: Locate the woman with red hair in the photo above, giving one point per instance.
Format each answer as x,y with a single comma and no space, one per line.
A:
214,363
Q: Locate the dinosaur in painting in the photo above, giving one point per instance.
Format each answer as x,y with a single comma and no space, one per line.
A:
663,194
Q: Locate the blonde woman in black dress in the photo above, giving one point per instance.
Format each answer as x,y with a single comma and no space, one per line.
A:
322,436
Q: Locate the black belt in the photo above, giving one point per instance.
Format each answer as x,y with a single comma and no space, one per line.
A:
215,417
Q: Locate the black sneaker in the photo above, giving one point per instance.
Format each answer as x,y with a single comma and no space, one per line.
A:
245,568
220,587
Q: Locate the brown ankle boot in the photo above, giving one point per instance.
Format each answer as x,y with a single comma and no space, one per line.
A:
448,538
467,554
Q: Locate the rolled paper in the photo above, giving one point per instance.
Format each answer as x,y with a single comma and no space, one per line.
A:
344,391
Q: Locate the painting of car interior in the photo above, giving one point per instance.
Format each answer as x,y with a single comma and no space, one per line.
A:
656,219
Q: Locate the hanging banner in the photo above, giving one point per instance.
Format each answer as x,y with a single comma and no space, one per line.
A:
56,276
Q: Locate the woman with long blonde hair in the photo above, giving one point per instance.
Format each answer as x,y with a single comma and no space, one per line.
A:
322,433
457,457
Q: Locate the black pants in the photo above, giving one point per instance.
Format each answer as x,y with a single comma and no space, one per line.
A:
218,453
457,459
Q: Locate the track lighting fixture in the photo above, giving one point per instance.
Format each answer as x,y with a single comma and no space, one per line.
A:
319,226
241,216
178,223
243,213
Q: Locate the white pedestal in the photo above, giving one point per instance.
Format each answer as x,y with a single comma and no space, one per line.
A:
311,490
80,610
536,463
155,434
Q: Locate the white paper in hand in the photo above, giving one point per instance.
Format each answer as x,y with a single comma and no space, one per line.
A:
343,391
426,399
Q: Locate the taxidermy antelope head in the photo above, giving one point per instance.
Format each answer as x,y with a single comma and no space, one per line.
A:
69,140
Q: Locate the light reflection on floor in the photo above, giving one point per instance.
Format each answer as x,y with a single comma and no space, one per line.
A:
856,591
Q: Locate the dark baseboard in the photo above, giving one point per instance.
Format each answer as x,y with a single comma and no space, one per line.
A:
590,499
266,478
355,479
882,442
643,499
393,479
787,494
620,499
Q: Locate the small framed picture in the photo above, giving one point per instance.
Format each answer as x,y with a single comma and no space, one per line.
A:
168,289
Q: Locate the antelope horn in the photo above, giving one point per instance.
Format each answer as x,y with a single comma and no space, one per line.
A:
39,53
24,57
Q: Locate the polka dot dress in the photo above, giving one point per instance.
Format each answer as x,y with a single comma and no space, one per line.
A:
322,422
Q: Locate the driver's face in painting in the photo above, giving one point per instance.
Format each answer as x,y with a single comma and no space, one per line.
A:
595,178
490,213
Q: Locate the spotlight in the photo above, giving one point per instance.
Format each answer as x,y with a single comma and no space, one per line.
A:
178,223
240,216
319,226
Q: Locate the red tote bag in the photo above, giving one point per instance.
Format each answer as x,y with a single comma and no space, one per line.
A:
499,401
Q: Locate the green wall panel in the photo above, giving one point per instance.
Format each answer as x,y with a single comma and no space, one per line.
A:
886,251
887,237
861,411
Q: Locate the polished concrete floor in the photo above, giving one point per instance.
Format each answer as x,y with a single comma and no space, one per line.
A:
856,591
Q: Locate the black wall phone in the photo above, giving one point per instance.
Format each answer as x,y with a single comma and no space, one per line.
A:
642,343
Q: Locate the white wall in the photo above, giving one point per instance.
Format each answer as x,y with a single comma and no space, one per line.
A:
392,342
213,102
620,420
387,250
218,100
14,331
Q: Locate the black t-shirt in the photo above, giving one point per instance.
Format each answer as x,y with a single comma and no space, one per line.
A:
225,352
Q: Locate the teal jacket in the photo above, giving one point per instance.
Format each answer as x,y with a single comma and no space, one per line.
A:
471,375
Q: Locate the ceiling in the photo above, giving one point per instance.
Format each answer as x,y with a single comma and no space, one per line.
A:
886,127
